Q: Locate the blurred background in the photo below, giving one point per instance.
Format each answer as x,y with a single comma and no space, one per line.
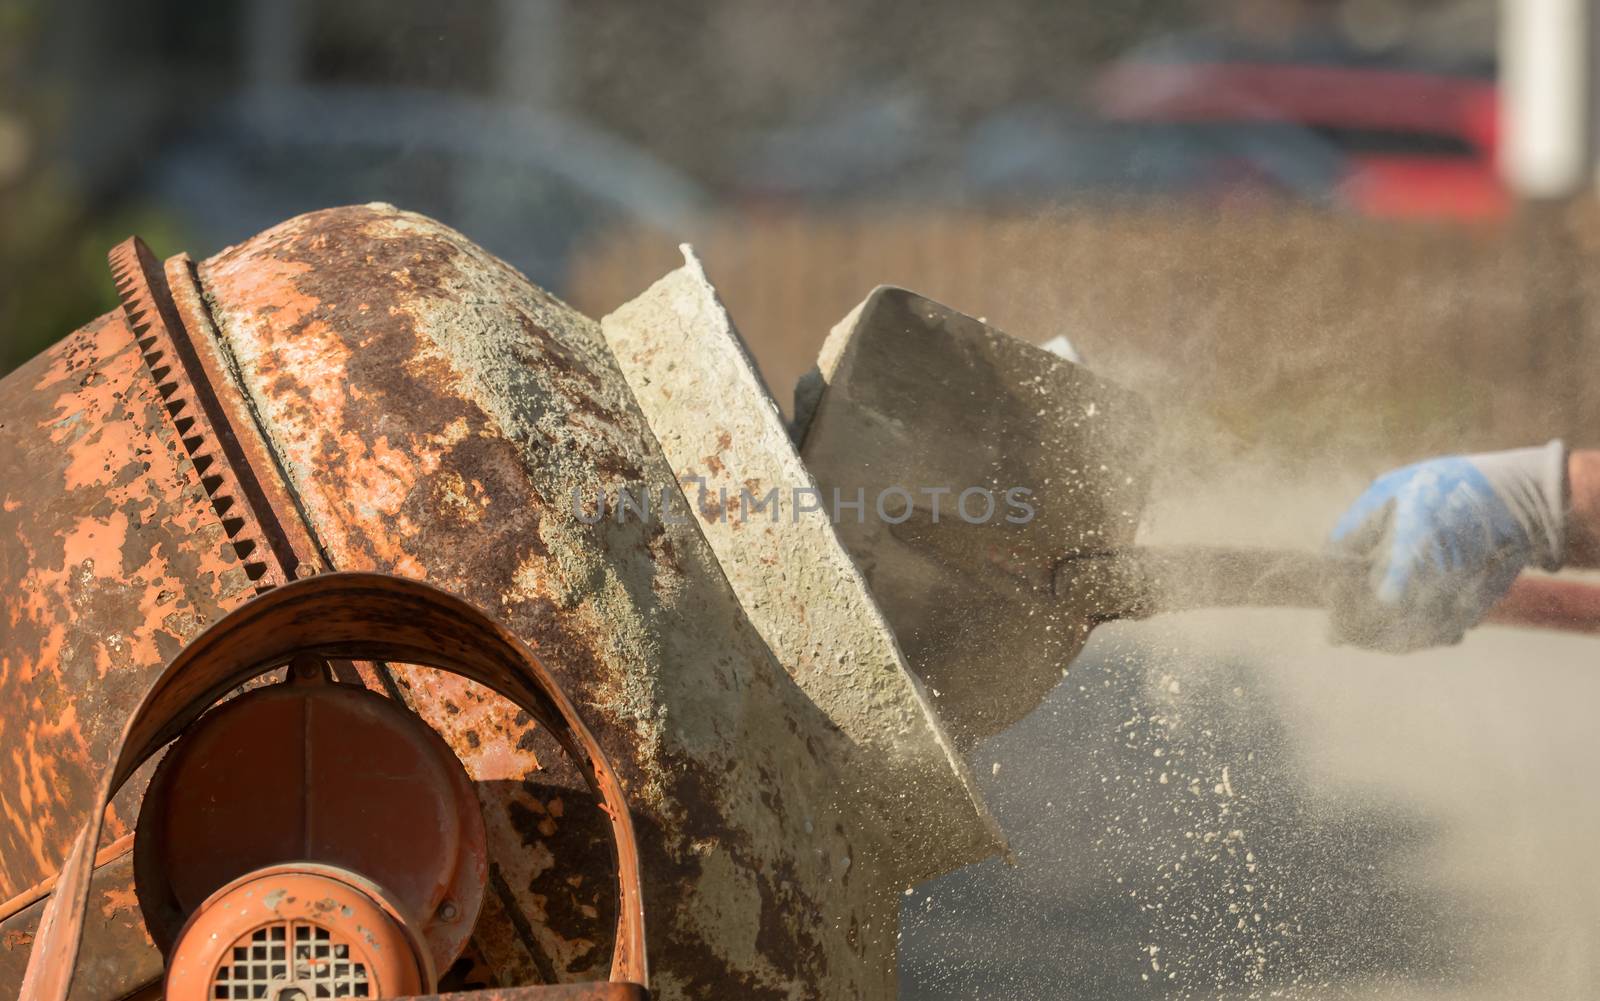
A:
1322,236
1327,175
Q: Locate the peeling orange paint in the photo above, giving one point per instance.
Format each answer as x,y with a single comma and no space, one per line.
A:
112,559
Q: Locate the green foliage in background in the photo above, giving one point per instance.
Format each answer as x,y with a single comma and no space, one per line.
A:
53,272
53,236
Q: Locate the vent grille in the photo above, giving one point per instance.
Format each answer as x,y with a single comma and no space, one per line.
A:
277,960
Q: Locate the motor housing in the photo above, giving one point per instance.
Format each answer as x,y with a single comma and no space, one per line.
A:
296,932
313,776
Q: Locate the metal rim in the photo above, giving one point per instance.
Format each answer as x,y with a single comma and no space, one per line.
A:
353,616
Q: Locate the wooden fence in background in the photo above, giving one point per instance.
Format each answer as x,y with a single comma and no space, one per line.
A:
1293,332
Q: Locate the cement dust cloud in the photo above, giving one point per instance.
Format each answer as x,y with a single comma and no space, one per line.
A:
1223,805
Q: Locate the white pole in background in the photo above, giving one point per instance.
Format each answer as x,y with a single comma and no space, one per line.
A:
1546,97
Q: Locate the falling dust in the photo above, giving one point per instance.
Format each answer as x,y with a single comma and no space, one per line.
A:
1223,805
1385,827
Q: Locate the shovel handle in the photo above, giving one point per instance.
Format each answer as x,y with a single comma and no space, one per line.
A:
1140,581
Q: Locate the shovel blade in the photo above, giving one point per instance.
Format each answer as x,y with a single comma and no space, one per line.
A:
982,459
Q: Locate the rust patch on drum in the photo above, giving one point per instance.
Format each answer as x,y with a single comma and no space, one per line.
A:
111,558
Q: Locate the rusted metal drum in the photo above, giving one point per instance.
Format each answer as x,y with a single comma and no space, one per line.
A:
364,389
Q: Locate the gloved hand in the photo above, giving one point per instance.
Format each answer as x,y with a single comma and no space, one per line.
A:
1443,540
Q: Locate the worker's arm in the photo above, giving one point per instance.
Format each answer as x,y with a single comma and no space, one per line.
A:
1583,508
1444,539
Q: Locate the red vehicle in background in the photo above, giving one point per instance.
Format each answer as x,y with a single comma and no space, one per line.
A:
1380,136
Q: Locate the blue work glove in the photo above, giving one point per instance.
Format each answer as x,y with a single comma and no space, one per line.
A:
1442,541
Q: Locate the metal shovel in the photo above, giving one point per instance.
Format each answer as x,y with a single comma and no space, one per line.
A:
914,406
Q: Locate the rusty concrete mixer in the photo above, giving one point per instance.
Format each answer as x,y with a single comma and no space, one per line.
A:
342,520
485,647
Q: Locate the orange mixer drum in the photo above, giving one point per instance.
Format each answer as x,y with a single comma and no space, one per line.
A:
363,390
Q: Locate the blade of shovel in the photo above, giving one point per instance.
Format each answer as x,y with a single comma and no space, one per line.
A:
911,398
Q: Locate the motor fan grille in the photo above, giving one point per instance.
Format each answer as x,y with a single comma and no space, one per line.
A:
288,955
